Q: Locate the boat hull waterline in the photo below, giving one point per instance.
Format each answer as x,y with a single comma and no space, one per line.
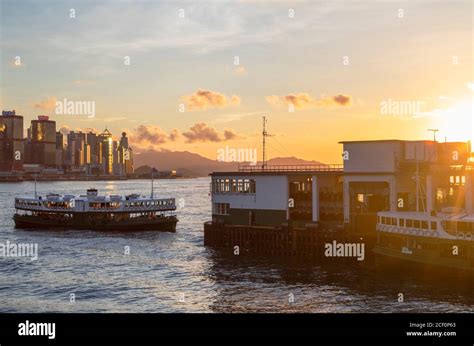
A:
166,224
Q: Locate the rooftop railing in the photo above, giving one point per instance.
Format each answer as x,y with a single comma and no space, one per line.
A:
292,168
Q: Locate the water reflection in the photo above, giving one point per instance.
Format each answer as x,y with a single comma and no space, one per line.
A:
163,266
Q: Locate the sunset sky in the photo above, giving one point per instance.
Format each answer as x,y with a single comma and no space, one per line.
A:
319,70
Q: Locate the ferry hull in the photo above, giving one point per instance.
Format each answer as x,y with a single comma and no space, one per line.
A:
166,224
424,259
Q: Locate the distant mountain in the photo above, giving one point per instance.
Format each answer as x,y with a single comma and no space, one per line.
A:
191,164
292,161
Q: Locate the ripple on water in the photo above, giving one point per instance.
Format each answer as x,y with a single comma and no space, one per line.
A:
162,268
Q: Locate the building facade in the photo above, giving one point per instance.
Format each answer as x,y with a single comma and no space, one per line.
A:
395,175
41,142
386,175
278,196
11,142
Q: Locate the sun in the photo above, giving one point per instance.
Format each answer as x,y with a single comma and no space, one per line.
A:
456,123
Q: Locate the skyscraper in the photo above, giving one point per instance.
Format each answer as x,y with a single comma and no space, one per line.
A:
11,141
106,157
59,148
126,154
42,144
78,152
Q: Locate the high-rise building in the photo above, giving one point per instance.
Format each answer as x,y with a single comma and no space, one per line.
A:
106,157
93,141
77,152
41,148
59,148
11,142
126,154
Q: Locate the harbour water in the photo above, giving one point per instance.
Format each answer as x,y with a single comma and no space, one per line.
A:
174,272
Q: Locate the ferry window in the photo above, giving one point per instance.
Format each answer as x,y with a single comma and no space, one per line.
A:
409,223
463,227
434,225
402,222
394,221
416,224
450,225
424,224
384,221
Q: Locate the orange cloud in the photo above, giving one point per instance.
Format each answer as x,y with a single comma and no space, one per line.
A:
240,71
201,132
150,135
204,99
306,101
48,104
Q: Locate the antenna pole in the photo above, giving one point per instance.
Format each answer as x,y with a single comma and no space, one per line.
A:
35,183
264,135
434,133
152,170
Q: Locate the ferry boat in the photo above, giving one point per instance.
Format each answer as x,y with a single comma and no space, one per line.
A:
93,212
442,239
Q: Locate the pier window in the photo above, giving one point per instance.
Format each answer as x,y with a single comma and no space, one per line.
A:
233,185
221,208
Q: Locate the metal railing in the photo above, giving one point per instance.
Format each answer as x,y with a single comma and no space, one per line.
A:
293,168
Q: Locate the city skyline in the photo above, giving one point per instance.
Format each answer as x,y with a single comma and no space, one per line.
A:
48,151
227,64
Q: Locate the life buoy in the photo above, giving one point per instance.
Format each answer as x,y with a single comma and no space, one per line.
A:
468,236
460,235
